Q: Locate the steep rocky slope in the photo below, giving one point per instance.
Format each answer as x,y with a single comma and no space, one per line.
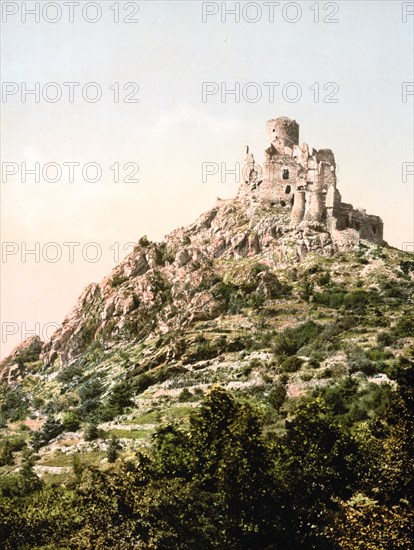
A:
166,286
240,298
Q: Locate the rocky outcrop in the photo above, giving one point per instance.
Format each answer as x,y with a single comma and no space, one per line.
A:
165,286
19,362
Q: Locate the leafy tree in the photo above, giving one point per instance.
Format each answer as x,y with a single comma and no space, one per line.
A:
51,429
365,524
316,462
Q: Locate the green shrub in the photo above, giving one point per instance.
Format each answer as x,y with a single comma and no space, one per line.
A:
113,449
90,431
71,373
277,395
51,429
13,404
353,402
6,454
407,267
71,421
22,484
117,280
404,327
291,340
142,382
358,361
324,279
185,395
334,299
119,399
313,363
291,364
92,389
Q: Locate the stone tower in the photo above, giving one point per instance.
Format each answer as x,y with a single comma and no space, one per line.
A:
282,132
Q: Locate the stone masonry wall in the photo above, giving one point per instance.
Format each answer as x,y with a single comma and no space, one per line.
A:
303,181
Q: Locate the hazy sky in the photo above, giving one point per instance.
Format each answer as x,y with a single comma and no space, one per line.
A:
340,69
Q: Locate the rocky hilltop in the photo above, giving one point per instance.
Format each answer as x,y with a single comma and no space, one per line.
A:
256,364
167,286
280,215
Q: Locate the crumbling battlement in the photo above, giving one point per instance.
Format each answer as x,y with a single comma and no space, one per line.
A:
304,181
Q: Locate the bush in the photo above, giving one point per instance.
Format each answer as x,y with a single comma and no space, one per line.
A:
117,280
357,299
329,299
324,279
404,327
185,395
313,363
352,402
142,382
6,454
119,399
143,241
92,389
72,373
384,339
291,364
277,396
407,267
113,449
90,431
71,421
291,340
337,298
22,484
13,404
359,362
51,429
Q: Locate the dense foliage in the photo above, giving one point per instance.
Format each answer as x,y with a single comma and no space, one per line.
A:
224,483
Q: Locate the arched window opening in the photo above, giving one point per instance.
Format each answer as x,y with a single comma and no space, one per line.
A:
288,189
285,174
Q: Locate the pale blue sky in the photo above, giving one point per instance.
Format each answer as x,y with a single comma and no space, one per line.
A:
171,132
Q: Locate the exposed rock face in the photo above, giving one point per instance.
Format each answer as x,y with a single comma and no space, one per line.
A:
165,286
14,367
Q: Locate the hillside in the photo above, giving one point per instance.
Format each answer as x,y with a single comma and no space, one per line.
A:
242,306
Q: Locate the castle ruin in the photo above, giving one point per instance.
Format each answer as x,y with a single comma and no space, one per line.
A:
305,182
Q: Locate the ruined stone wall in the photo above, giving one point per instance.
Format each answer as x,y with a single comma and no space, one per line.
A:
281,177
369,227
305,182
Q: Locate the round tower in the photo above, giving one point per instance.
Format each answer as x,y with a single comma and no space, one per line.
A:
282,132
298,210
